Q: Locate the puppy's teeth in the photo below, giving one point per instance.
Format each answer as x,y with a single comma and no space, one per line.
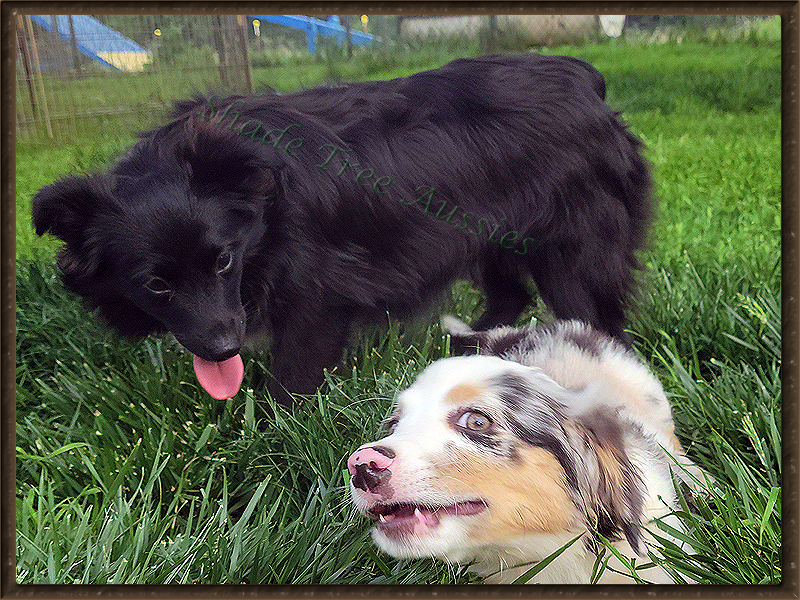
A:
382,519
416,512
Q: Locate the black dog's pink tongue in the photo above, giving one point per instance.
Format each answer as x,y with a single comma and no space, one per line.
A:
220,379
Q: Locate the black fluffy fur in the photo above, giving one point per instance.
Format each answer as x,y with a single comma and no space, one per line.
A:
522,144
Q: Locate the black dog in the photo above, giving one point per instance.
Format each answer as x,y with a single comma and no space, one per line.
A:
306,214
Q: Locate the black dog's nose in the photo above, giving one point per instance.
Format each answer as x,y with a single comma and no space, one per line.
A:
225,340
224,348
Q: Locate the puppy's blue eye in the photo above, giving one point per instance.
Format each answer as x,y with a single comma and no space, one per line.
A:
156,285
224,262
474,421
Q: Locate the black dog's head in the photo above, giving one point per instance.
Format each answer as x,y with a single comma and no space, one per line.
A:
158,242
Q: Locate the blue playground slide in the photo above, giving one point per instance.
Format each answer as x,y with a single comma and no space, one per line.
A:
109,47
98,42
314,27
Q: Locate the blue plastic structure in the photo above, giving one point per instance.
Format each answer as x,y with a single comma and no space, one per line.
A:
99,42
314,27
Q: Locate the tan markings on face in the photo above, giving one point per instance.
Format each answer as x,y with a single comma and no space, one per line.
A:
525,497
464,392
675,441
668,428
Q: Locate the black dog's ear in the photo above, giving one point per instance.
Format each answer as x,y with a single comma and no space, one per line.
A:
223,162
66,207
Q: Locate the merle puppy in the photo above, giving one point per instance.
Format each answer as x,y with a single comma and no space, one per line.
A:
306,214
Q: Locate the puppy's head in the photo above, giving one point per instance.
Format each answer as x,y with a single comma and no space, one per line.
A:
483,452
158,242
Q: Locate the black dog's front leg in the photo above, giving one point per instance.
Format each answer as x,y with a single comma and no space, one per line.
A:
302,351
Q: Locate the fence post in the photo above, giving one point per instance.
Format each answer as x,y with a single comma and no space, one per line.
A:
492,45
244,59
349,37
26,62
39,81
219,42
60,57
76,55
233,71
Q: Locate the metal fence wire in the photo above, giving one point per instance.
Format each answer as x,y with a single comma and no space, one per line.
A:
80,72
82,75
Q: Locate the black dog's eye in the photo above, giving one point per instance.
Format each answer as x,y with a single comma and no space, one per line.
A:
224,262
474,421
158,286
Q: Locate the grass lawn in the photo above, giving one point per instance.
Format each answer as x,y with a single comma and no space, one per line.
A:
127,472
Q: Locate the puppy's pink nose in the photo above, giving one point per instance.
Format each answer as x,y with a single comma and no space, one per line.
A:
374,458
369,468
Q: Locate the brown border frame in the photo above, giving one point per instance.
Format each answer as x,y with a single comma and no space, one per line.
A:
789,11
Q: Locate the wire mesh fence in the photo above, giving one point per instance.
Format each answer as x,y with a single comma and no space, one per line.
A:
79,72
83,74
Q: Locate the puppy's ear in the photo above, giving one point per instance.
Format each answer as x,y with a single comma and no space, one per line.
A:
617,494
66,207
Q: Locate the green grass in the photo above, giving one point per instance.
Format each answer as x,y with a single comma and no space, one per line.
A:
128,473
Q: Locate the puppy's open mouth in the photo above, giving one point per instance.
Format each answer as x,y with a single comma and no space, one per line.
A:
405,518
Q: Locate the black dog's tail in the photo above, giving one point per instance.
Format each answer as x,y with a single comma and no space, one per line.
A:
597,80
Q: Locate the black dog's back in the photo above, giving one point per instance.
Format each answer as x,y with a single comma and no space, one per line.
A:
350,201
547,158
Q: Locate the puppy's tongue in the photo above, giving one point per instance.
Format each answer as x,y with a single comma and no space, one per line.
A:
220,379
